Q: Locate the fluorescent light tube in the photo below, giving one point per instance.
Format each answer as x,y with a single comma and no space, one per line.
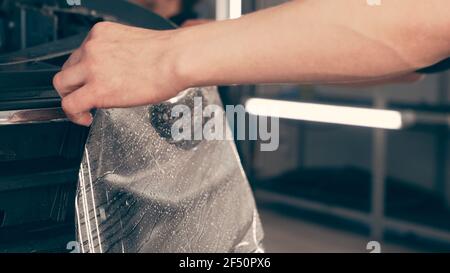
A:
228,9
354,116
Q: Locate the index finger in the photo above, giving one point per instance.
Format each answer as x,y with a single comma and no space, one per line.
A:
78,102
73,59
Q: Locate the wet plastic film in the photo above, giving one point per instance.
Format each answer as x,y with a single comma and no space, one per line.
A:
140,191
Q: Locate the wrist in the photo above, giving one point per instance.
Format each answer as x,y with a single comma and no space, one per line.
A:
184,59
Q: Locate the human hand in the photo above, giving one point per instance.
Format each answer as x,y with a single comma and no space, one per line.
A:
409,78
118,66
196,22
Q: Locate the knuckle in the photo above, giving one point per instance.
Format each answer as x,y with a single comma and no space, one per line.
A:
90,46
97,28
92,55
57,81
103,25
67,106
89,65
92,67
100,27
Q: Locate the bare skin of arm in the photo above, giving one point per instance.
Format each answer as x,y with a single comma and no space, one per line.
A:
309,41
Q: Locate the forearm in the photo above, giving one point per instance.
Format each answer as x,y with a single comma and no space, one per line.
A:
312,41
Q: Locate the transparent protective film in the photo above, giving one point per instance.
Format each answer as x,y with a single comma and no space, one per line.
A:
141,191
